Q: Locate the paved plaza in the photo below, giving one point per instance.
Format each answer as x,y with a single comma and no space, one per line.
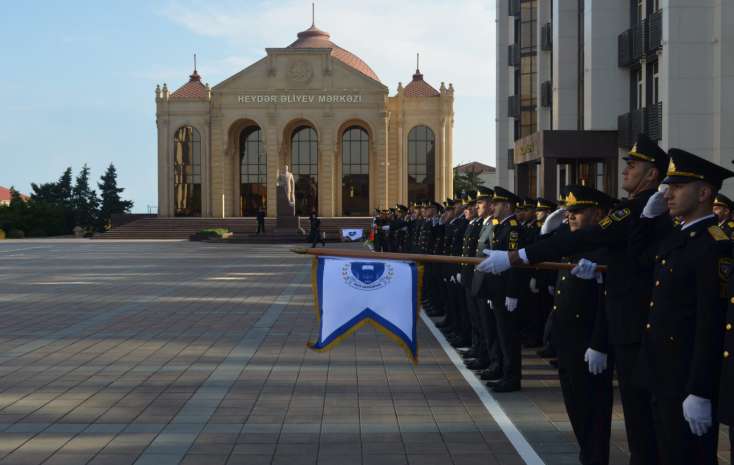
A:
158,353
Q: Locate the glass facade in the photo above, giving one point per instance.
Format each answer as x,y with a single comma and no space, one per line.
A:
305,168
253,172
421,164
187,171
355,172
525,82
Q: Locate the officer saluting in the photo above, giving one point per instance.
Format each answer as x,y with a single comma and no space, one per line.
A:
682,342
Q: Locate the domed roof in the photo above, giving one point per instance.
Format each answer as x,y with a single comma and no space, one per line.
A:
314,37
420,88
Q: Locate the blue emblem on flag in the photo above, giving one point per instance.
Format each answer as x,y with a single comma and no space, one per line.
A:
349,294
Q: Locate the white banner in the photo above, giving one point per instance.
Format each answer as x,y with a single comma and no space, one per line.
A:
352,234
352,292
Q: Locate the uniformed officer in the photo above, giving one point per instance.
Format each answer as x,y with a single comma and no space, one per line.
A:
504,290
726,399
529,304
542,282
723,207
580,335
683,337
627,286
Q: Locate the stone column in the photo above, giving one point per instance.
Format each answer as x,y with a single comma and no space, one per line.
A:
218,166
165,172
440,162
272,150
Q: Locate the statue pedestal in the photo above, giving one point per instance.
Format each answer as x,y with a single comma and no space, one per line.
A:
286,219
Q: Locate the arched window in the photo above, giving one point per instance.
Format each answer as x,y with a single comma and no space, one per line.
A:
421,164
187,171
355,172
253,172
305,168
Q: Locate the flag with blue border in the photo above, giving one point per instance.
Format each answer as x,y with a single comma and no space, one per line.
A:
349,293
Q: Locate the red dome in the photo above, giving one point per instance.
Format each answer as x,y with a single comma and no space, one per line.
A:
314,37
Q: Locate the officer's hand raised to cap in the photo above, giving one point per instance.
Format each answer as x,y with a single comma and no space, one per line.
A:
656,205
554,221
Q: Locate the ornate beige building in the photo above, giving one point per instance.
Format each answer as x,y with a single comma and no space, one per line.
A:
317,109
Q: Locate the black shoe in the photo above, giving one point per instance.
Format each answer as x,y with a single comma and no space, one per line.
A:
546,352
469,354
506,386
531,344
476,364
459,342
490,374
443,324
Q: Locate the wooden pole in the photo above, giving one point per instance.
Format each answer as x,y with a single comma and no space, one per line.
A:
424,258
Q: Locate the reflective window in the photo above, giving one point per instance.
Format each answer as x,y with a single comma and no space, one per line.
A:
421,164
253,172
187,171
355,172
305,168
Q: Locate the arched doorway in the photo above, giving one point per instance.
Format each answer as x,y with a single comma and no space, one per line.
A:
187,172
421,164
253,171
355,172
305,168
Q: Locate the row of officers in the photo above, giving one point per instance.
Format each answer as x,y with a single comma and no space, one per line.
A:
647,297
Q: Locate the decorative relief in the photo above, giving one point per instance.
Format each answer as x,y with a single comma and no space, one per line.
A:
300,72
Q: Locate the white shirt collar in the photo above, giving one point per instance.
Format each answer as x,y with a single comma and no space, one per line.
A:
687,225
507,218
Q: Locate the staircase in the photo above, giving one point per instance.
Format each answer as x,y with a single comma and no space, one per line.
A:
243,228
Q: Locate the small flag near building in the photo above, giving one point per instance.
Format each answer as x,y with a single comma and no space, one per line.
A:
349,293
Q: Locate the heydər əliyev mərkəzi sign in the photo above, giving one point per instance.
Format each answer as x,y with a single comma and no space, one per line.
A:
300,98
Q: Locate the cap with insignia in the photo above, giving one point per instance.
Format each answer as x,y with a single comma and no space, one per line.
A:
484,193
503,195
723,201
527,203
645,149
449,203
580,197
544,204
685,167
469,200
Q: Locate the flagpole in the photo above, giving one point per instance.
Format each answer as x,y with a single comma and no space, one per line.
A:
425,258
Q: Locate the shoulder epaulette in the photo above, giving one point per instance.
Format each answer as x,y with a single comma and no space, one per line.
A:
620,214
495,221
717,233
513,222
730,224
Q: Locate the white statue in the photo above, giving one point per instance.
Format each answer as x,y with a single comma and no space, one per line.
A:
288,184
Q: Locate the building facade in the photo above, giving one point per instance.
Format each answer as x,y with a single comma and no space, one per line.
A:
577,80
320,111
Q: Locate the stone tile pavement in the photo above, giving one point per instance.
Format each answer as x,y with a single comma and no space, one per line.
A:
160,352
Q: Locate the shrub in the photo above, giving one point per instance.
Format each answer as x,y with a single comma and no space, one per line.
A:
37,232
16,234
211,233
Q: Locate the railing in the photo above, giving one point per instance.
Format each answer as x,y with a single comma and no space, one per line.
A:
513,106
648,120
655,32
631,45
546,37
514,8
546,94
513,55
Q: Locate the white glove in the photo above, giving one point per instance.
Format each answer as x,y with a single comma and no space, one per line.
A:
656,205
551,290
553,221
697,412
597,361
586,269
458,278
489,302
386,228
452,279
510,304
497,261
533,286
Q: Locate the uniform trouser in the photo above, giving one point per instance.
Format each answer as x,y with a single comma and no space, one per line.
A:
637,407
477,336
547,333
463,325
489,333
677,445
508,337
260,227
588,400
532,320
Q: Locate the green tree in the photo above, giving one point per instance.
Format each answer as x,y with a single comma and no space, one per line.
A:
84,201
466,182
111,201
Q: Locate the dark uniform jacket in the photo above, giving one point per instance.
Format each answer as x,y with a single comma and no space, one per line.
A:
425,236
579,321
469,249
728,228
682,341
484,241
506,236
726,392
628,285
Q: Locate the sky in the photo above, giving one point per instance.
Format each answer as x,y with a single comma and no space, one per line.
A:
78,77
